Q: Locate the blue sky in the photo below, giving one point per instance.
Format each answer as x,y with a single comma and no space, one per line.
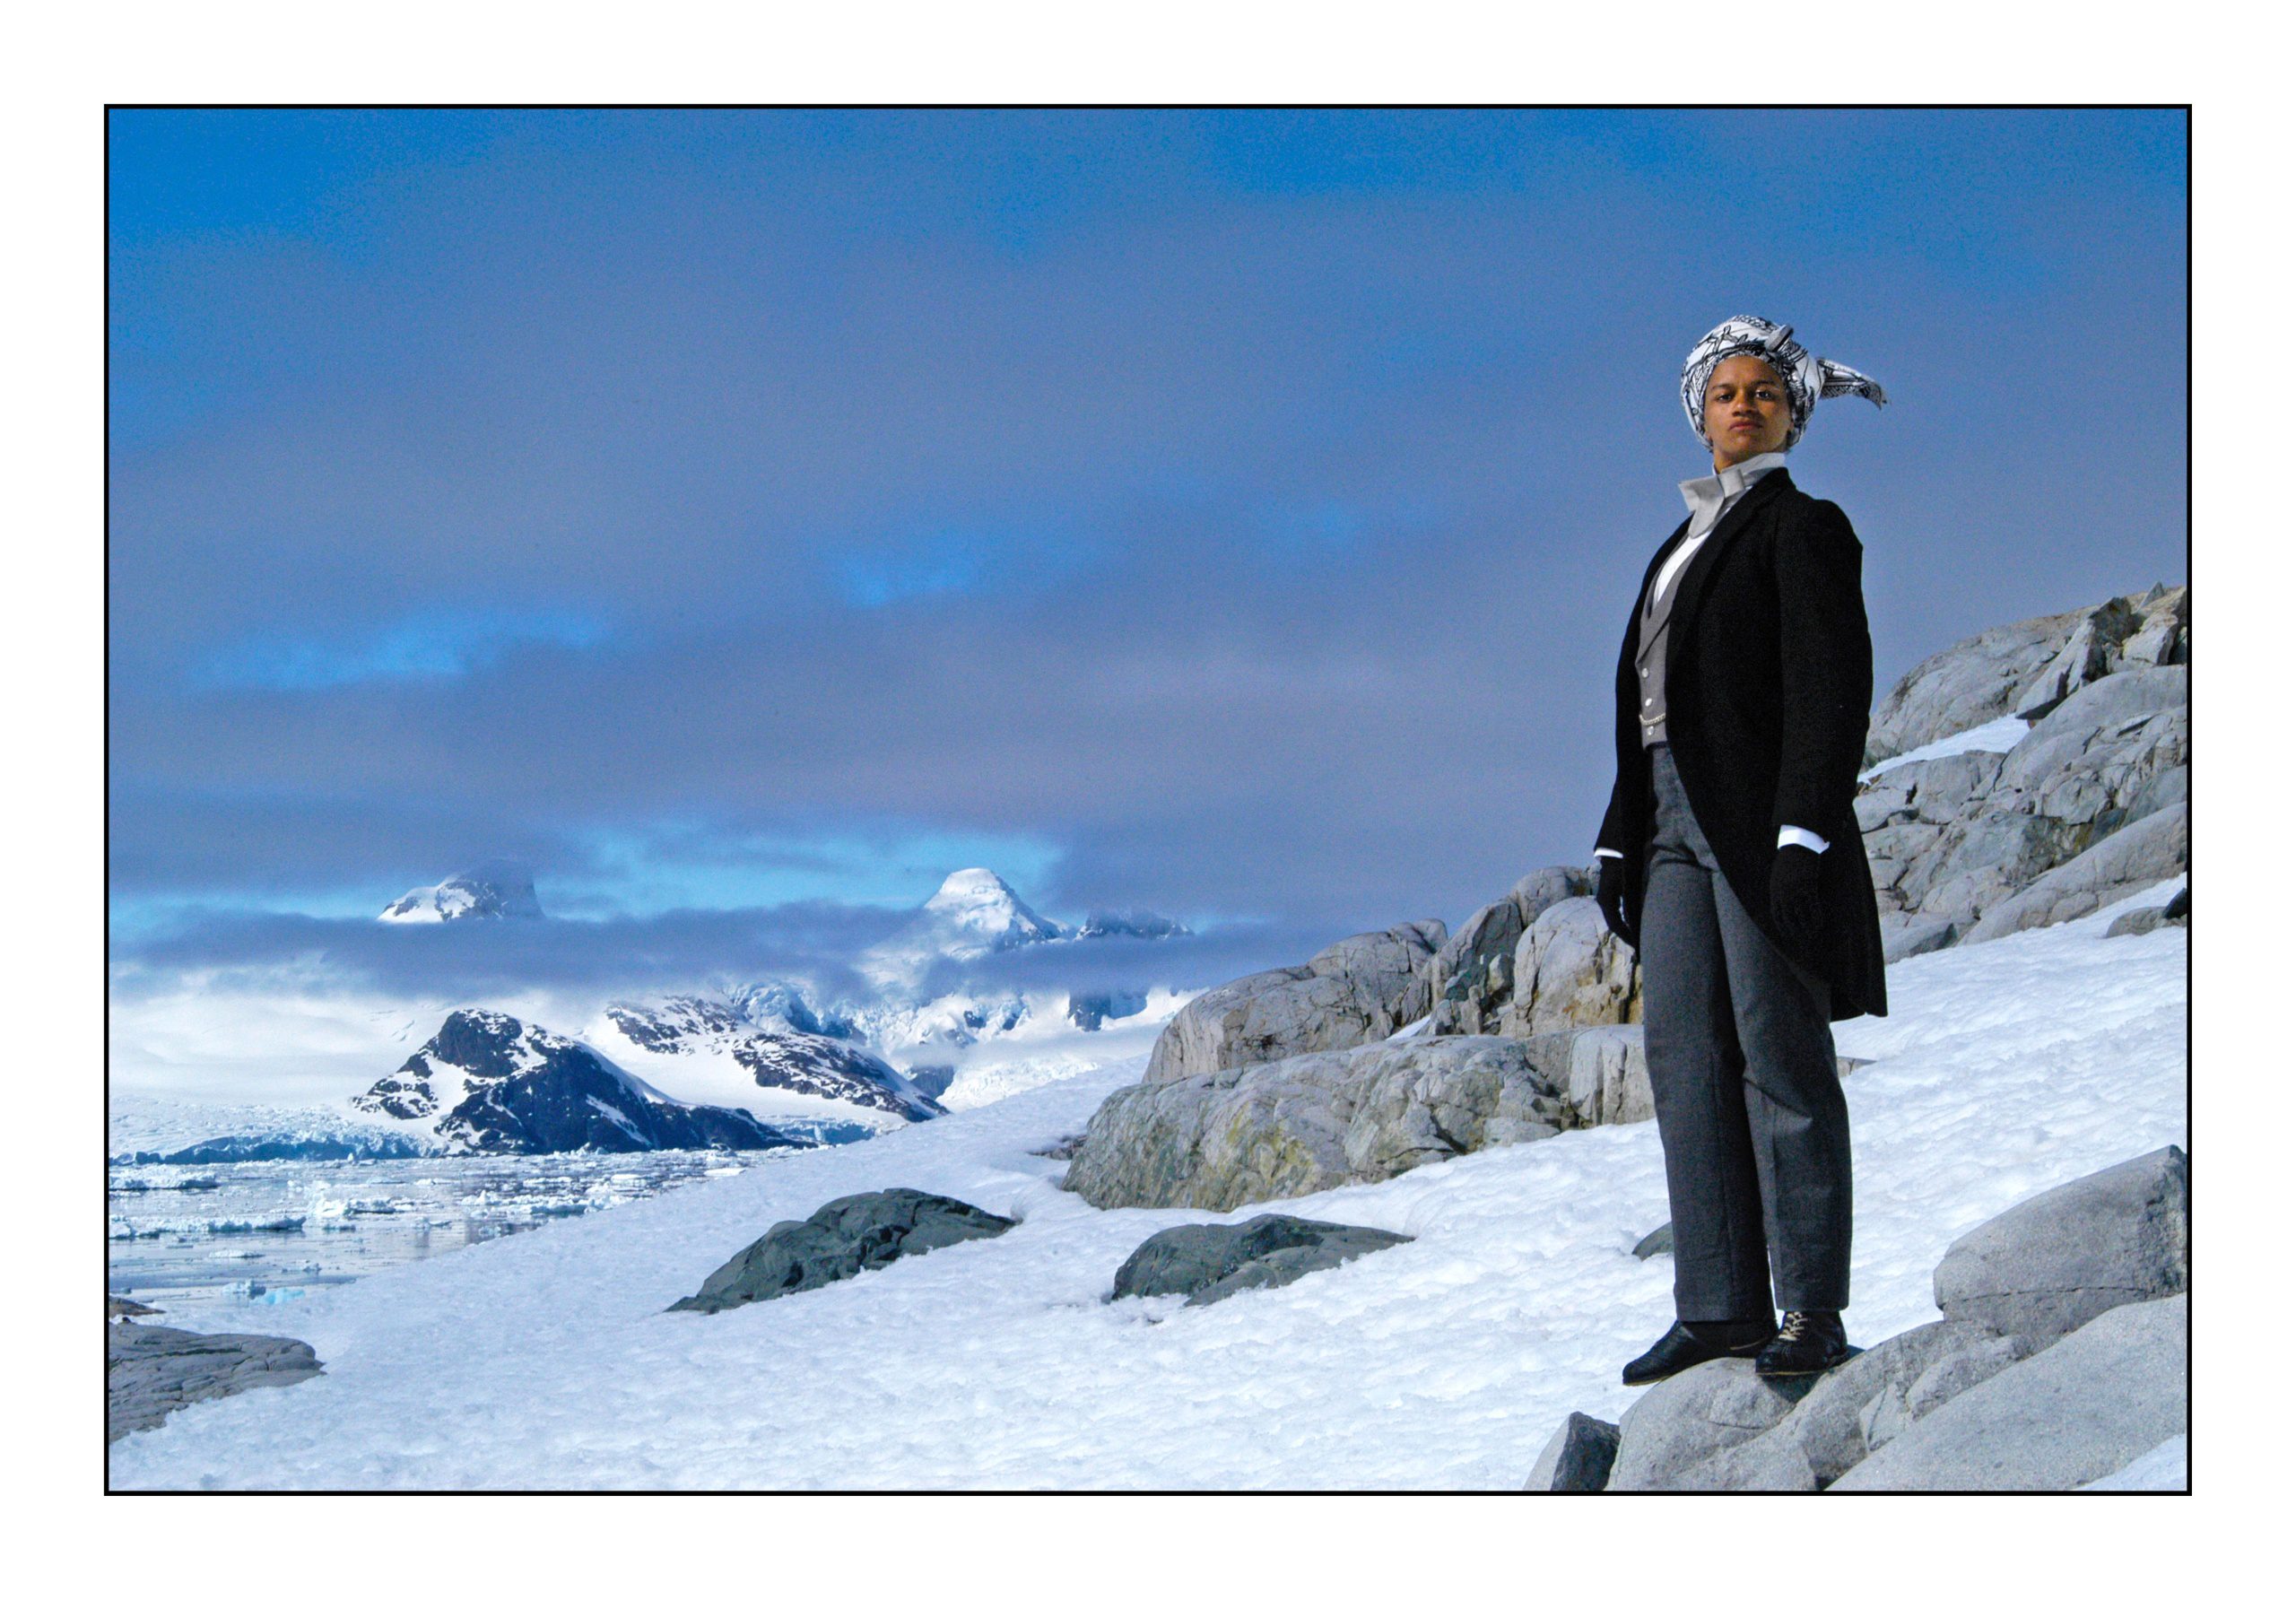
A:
1225,514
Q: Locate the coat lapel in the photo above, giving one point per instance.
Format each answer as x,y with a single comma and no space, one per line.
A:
1690,588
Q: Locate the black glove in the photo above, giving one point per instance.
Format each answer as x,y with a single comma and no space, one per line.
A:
1610,894
1793,901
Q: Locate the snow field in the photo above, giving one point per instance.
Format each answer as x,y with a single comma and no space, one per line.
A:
543,1360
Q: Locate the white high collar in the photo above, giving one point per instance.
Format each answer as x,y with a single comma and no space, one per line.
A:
1718,489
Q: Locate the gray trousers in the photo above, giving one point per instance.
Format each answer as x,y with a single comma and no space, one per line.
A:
1748,1095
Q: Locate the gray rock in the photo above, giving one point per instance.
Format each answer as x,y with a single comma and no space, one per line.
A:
1658,1242
1965,685
2102,710
1474,974
1210,1261
2146,920
2050,1264
1603,1074
116,1307
1570,971
1951,838
1769,1462
2085,1407
1473,977
1305,1123
2140,854
1360,989
1830,1426
1607,1077
1918,938
853,1234
2177,913
151,1371
2089,654
1695,1415
1578,1459
2161,638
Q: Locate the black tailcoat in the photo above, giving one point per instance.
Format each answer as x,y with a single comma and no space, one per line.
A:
1769,671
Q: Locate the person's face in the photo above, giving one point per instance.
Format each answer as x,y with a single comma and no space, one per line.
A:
1747,410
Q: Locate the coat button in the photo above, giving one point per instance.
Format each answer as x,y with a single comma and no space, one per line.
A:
1646,702
1646,671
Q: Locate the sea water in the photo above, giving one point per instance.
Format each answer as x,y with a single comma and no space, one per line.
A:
185,1237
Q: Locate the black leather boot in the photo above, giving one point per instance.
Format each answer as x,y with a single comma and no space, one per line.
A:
1807,1341
1680,1348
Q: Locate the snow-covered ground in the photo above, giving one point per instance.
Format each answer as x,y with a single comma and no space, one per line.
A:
545,1360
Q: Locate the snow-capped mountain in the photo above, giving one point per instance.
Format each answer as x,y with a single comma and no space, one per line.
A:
498,889
973,914
764,1049
488,1083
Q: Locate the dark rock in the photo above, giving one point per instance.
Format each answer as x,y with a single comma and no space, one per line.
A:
1658,1242
1578,1459
1210,1261
116,1307
849,1236
151,1371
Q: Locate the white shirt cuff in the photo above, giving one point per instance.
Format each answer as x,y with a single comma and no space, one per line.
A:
1613,855
1802,837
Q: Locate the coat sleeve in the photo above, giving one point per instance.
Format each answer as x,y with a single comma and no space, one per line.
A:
1613,833
1826,665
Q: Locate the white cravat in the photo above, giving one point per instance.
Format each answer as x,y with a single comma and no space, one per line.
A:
1709,499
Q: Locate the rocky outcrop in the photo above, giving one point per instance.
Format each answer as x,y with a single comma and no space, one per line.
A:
2027,668
848,1237
1668,1437
151,1371
2079,1411
1210,1261
1571,972
1305,1123
2139,855
1361,988
1953,838
1472,977
2042,1268
2060,1360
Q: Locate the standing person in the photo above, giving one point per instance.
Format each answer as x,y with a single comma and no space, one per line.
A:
1731,860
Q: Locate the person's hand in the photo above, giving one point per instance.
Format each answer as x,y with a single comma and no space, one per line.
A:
1793,901
1610,894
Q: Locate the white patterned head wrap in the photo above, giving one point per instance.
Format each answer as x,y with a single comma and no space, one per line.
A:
1808,377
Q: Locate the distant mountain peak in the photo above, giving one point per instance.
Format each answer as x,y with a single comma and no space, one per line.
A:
496,889
975,900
